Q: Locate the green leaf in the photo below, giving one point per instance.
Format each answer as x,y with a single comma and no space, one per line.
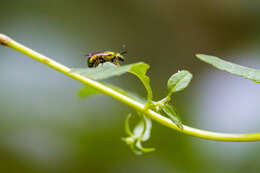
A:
140,71
143,128
102,72
179,81
141,149
108,70
127,125
86,91
173,114
235,69
140,134
126,93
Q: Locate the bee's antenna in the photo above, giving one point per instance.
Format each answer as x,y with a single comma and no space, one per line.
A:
124,52
124,49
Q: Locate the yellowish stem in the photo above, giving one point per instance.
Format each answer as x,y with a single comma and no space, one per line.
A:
6,41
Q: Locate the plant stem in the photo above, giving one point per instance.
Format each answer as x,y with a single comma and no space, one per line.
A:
6,41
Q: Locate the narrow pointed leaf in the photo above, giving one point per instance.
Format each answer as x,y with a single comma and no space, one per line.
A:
127,125
172,113
235,69
142,149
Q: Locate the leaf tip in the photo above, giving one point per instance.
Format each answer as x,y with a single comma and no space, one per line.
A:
200,56
204,57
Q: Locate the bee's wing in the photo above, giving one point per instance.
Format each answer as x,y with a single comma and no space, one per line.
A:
103,54
98,54
90,54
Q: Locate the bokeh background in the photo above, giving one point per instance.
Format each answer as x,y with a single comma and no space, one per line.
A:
45,127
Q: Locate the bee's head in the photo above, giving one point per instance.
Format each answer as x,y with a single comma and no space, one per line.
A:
120,56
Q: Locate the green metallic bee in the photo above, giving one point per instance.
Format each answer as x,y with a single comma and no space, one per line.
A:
94,59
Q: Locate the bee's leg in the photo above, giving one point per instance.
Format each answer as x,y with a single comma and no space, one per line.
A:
116,62
97,62
101,61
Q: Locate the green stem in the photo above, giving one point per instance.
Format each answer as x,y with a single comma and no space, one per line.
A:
6,41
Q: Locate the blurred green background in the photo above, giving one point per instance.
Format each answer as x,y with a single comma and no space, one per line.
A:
45,127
